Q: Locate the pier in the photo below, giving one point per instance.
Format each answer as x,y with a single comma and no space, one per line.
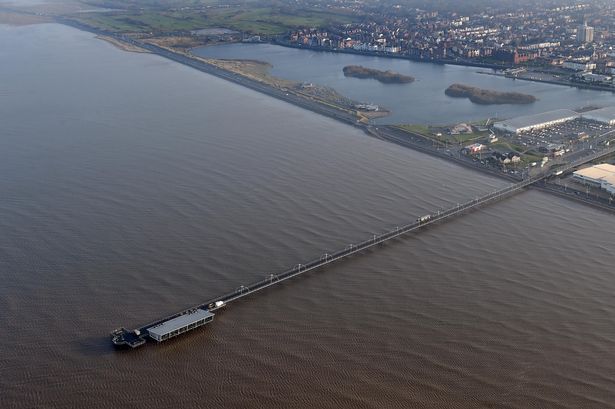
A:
181,322
199,315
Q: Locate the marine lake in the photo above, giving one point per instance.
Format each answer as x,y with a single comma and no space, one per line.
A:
422,101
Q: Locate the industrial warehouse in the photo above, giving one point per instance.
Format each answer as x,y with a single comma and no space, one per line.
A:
604,115
537,121
602,175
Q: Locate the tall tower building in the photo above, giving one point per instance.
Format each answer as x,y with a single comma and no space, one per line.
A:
585,34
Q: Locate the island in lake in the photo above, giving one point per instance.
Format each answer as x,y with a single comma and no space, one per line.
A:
387,77
488,97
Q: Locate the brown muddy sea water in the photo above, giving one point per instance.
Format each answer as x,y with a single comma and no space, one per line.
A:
132,187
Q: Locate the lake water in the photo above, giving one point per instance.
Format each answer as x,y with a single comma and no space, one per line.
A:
422,101
132,187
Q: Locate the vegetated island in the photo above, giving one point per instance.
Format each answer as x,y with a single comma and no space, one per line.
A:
387,77
488,97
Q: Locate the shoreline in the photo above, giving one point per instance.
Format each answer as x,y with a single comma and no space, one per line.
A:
567,84
258,70
440,61
122,45
390,133
571,84
481,96
496,67
17,19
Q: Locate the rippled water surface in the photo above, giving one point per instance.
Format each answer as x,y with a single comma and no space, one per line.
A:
131,187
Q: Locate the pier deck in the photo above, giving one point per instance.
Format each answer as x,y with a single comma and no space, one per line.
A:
138,337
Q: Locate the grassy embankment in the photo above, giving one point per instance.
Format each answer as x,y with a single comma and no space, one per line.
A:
122,45
527,156
259,71
163,27
17,19
255,21
438,134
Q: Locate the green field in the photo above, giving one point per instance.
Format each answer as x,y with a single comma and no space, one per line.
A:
419,129
432,133
151,4
264,21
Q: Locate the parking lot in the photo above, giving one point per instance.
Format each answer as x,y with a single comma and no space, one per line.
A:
565,135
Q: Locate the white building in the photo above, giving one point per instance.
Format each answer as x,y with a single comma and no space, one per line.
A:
604,115
392,50
585,34
594,78
538,121
475,147
579,65
602,175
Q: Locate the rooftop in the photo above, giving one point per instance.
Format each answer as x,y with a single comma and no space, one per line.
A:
605,114
180,322
537,119
603,172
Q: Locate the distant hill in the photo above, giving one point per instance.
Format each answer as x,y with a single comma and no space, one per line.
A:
488,97
387,77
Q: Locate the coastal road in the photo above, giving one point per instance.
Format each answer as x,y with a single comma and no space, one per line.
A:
388,133
279,93
420,143
575,195
282,94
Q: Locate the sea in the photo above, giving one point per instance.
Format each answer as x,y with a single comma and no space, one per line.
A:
132,187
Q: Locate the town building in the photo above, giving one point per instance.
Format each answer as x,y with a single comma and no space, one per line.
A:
578,65
604,115
475,147
594,78
602,175
538,121
585,34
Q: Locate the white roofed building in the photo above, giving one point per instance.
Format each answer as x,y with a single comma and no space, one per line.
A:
602,175
604,115
537,121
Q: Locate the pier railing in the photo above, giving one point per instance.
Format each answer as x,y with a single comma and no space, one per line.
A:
374,240
351,249
377,239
